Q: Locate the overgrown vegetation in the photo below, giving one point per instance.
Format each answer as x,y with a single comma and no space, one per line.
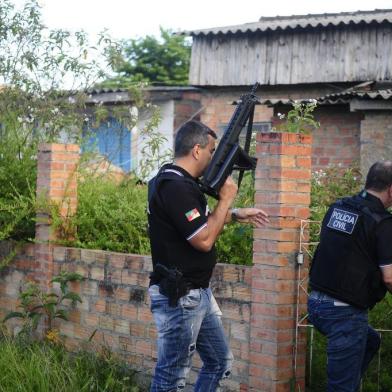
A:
111,216
33,367
44,76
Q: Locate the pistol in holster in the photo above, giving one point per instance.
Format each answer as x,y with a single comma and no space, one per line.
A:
171,283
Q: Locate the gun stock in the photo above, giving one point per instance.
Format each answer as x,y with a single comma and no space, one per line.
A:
229,155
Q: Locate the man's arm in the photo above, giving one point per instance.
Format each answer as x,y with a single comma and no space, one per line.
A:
222,214
387,276
205,239
254,216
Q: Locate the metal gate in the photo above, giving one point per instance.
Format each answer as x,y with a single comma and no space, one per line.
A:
305,252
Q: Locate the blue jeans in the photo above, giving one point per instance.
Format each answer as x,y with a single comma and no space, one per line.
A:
193,325
351,342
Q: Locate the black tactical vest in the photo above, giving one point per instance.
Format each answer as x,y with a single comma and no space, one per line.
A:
345,263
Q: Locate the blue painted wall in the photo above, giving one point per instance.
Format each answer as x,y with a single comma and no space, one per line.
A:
113,141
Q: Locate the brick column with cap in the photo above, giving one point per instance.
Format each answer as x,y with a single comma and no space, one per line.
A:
56,183
282,186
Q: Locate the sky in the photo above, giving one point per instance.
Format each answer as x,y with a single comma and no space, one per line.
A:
137,18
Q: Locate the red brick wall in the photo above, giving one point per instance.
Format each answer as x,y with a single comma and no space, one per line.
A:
218,108
337,141
116,304
376,138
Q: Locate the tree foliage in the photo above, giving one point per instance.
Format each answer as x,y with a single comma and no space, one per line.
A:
44,75
163,61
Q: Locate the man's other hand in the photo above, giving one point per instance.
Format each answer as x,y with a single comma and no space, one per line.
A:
255,216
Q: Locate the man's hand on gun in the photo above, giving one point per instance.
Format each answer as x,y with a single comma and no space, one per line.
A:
228,192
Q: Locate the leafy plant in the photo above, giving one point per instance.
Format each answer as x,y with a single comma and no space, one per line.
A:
36,304
299,119
152,152
235,244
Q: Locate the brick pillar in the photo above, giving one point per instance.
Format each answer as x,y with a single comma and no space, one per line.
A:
283,190
56,183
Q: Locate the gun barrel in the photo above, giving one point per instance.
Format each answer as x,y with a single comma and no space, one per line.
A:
223,159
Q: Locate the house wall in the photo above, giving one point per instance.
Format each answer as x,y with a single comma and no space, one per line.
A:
173,113
345,53
187,108
164,127
337,141
376,138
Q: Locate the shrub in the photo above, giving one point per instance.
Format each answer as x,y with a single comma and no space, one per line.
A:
235,244
111,216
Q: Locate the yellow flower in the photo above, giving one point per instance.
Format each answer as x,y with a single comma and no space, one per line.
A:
53,336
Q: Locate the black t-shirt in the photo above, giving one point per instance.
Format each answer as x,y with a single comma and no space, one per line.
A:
178,210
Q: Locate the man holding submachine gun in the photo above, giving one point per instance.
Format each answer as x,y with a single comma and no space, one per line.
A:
182,234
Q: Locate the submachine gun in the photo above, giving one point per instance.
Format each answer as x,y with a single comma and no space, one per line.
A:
229,155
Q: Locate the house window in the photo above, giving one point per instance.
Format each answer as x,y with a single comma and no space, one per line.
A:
113,141
256,127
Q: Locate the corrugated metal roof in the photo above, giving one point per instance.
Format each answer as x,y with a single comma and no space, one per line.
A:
347,96
150,88
121,95
343,97
277,101
300,22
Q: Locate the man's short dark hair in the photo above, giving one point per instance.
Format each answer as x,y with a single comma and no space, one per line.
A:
379,176
191,133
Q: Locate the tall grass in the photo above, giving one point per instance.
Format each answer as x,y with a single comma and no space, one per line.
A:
39,367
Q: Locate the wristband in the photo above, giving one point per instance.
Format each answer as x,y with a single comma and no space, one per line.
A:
234,214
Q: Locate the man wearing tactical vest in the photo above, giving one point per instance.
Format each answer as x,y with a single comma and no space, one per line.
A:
182,235
350,272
